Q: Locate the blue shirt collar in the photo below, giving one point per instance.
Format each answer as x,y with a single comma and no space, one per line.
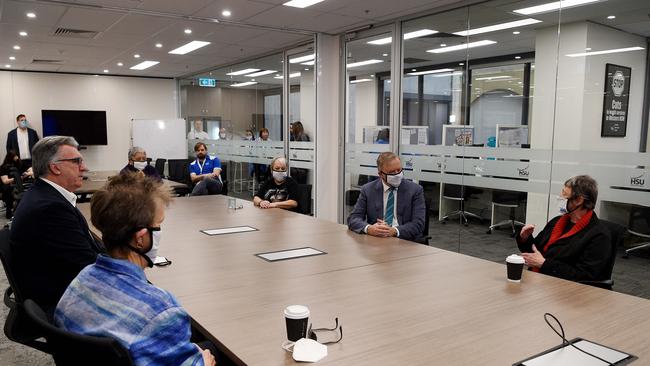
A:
121,266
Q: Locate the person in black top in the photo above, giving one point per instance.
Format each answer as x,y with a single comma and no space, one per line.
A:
138,164
278,191
11,162
21,140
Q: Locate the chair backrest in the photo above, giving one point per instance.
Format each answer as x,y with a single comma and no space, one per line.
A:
304,198
453,191
7,263
617,233
640,220
508,197
179,170
160,166
76,349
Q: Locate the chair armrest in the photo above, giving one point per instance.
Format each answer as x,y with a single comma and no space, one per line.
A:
8,299
606,284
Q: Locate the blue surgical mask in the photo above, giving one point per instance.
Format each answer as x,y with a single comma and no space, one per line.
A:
24,124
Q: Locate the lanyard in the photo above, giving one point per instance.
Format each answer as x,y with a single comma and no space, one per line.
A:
201,165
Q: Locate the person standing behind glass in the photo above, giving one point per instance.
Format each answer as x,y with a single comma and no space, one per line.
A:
22,140
205,172
280,191
262,170
197,133
298,134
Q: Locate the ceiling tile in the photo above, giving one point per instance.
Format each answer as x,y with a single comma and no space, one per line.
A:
139,25
46,15
86,19
240,9
185,7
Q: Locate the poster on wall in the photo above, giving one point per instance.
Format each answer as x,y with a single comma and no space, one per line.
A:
615,103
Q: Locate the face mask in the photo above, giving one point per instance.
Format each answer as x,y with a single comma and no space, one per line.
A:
394,180
222,136
24,124
308,350
140,165
153,252
563,205
279,176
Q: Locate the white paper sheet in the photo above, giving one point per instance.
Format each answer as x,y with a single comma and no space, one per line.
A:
293,253
229,230
569,356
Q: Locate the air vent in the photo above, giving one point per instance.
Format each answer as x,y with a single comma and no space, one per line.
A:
38,61
74,33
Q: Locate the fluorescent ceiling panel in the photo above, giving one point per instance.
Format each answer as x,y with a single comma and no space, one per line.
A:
429,72
548,7
604,52
260,73
242,72
494,77
189,47
363,63
498,27
462,46
301,3
291,76
409,35
359,81
308,63
244,84
301,59
144,65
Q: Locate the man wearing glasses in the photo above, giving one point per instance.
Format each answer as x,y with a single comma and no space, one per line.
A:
389,206
50,239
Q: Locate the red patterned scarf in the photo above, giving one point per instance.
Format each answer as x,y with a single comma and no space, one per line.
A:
558,229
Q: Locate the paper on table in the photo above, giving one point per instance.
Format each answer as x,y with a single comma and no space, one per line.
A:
229,230
569,356
288,254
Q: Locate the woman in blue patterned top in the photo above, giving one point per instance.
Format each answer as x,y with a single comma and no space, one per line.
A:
112,297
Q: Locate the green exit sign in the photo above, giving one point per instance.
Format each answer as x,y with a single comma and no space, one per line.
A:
208,83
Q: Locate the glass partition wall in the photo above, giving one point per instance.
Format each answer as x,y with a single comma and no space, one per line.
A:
501,103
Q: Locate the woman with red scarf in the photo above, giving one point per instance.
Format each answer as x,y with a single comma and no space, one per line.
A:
575,245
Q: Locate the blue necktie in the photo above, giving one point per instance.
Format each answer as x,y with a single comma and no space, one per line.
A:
390,208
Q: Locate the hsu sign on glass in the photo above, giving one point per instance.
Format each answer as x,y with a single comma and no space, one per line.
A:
208,83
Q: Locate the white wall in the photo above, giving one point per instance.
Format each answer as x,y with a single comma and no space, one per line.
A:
123,98
307,103
366,107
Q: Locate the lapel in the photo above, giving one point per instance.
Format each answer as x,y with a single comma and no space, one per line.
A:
379,202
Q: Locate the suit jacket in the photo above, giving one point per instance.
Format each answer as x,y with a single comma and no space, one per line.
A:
584,256
410,208
12,140
51,244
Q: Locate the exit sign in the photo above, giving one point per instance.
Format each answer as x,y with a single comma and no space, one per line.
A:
208,83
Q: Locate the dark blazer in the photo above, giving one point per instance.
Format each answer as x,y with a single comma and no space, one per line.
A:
584,256
12,140
51,244
410,208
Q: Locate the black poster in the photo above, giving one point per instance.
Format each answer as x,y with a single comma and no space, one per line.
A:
617,96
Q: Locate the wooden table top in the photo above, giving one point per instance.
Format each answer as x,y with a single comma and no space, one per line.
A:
97,179
398,302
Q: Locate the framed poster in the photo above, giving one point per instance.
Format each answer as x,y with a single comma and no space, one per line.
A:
615,101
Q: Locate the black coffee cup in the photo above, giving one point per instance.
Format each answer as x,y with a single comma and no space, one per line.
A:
515,265
297,318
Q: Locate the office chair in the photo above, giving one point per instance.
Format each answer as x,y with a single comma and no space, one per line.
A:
508,199
71,349
18,327
304,198
639,226
160,167
617,233
424,239
179,171
458,193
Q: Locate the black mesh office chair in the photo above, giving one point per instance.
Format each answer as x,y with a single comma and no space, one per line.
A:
617,233
160,167
508,199
304,198
179,171
71,349
639,225
18,327
460,194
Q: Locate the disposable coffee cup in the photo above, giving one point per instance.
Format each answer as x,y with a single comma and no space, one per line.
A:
297,317
515,266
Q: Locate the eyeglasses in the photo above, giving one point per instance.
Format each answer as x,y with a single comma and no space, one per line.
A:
393,173
77,161
311,333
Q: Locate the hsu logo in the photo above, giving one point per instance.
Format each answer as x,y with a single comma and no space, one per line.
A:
524,172
638,181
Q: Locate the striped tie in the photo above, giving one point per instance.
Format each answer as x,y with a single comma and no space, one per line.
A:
390,208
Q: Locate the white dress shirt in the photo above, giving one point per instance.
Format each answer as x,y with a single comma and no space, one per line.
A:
386,191
69,196
23,143
202,135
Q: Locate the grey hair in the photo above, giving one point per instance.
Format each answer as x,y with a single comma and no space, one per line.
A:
46,151
279,158
586,187
134,150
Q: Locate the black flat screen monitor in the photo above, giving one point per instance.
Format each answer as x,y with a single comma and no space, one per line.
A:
87,127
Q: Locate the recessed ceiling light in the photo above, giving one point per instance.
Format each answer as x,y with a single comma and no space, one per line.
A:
588,49
430,72
611,17
301,59
306,69
462,46
603,52
31,15
22,33
136,55
242,72
301,3
517,57
409,35
359,81
158,45
498,27
188,31
189,47
363,63
461,64
12,58
144,65
261,73
413,69
8,66
105,71
548,7
443,45
16,47
226,13
244,84
384,54
120,64
516,32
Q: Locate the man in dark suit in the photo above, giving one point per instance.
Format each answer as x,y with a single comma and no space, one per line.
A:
22,140
50,239
389,206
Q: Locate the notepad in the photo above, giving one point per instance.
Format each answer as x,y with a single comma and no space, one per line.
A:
229,230
569,356
290,254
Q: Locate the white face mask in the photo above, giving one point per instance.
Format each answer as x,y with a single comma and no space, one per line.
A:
153,252
562,205
394,180
308,350
279,176
140,165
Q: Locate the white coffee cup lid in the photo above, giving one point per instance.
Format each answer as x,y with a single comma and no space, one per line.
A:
296,312
515,258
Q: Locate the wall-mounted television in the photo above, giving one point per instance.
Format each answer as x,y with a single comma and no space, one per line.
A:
87,127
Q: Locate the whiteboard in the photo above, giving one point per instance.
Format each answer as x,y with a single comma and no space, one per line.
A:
161,138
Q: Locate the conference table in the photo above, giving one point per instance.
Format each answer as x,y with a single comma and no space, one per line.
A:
398,302
95,180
